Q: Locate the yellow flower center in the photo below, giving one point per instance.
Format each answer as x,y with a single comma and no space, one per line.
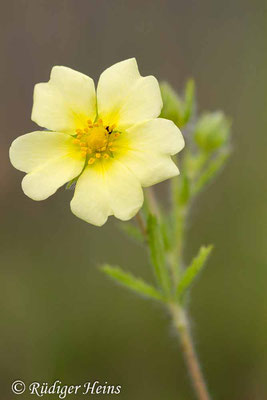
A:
96,141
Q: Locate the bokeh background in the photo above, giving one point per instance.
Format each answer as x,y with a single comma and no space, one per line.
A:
60,317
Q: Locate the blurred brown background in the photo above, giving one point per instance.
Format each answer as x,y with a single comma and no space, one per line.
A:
60,317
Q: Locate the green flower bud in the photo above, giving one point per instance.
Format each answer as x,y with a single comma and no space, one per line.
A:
178,109
212,131
172,104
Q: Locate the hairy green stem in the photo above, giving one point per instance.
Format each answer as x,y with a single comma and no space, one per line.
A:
179,220
182,326
141,224
152,201
178,314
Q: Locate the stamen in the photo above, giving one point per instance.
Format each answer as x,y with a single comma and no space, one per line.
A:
96,139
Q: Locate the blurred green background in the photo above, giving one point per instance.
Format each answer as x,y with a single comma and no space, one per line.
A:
60,317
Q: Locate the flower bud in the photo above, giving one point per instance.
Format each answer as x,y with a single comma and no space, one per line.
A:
212,131
178,109
172,104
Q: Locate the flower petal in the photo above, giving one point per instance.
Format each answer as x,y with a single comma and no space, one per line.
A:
149,146
65,102
159,135
50,159
106,189
125,98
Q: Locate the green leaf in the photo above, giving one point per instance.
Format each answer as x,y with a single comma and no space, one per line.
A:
213,168
189,101
193,271
131,282
132,231
157,252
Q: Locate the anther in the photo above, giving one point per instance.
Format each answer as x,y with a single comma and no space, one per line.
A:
91,161
98,155
76,141
89,122
106,156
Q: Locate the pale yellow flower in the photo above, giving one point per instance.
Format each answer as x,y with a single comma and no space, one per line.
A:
111,140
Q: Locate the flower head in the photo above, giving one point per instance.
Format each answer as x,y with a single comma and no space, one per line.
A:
110,141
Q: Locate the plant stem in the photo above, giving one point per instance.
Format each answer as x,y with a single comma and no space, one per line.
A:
152,201
178,314
181,324
141,224
180,220
179,213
